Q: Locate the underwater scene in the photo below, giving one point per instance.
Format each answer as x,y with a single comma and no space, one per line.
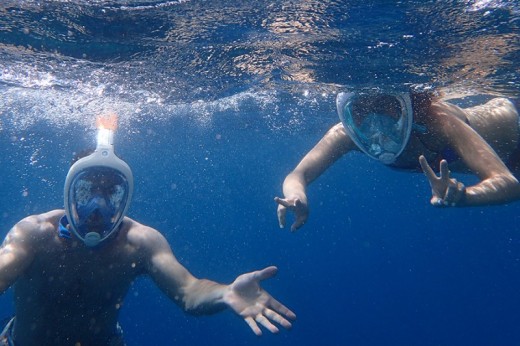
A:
217,102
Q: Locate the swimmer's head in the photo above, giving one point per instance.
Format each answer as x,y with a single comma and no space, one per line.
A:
98,190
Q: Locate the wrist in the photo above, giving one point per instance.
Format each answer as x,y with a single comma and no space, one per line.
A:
461,197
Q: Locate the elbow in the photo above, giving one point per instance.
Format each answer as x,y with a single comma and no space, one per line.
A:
513,187
510,185
499,189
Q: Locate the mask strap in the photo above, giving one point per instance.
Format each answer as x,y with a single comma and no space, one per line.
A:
63,231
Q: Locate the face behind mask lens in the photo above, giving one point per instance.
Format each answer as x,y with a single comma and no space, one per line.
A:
97,214
380,125
380,133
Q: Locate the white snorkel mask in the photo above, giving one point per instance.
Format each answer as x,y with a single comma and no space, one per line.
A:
98,189
379,124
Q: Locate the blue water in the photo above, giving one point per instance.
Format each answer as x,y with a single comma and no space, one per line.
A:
218,101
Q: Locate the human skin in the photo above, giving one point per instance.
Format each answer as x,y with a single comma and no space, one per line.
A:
68,293
494,122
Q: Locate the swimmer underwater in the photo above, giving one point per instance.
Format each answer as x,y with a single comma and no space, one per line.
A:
416,131
71,269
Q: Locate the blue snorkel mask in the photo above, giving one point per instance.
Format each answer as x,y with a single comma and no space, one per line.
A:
379,124
98,190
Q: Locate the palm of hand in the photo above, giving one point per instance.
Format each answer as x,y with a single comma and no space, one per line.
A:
300,209
254,305
246,296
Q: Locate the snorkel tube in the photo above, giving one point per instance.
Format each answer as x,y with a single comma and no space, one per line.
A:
106,126
102,159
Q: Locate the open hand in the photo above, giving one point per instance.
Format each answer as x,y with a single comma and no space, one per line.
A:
298,206
254,305
446,191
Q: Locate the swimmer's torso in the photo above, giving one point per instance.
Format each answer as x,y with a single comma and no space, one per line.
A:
71,294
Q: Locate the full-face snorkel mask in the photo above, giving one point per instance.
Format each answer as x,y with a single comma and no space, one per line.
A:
379,124
98,189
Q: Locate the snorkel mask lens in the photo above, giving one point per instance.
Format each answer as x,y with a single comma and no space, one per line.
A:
97,201
379,124
98,190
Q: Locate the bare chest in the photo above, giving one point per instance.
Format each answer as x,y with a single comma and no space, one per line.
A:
84,278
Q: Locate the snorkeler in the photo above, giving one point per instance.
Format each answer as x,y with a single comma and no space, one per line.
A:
72,268
417,131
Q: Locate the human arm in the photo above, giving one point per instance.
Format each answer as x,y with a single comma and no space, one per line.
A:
200,296
17,251
497,184
334,144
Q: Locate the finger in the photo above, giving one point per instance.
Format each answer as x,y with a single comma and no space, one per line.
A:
445,171
301,217
266,323
427,170
281,212
437,202
451,191
266,273
277,318
283,202
252,324
454,193
280,308
298,223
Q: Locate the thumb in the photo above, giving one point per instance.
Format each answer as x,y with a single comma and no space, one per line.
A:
281,212
266,273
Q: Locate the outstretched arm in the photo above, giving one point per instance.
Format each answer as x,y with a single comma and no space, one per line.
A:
329,149
200,296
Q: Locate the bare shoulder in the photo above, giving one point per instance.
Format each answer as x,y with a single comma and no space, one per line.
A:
497,111
445,112
35,229
494,111
495,121
144,238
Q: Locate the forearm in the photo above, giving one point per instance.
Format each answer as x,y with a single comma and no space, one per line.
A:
326,152
496,190
193,295
203,297
295,185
